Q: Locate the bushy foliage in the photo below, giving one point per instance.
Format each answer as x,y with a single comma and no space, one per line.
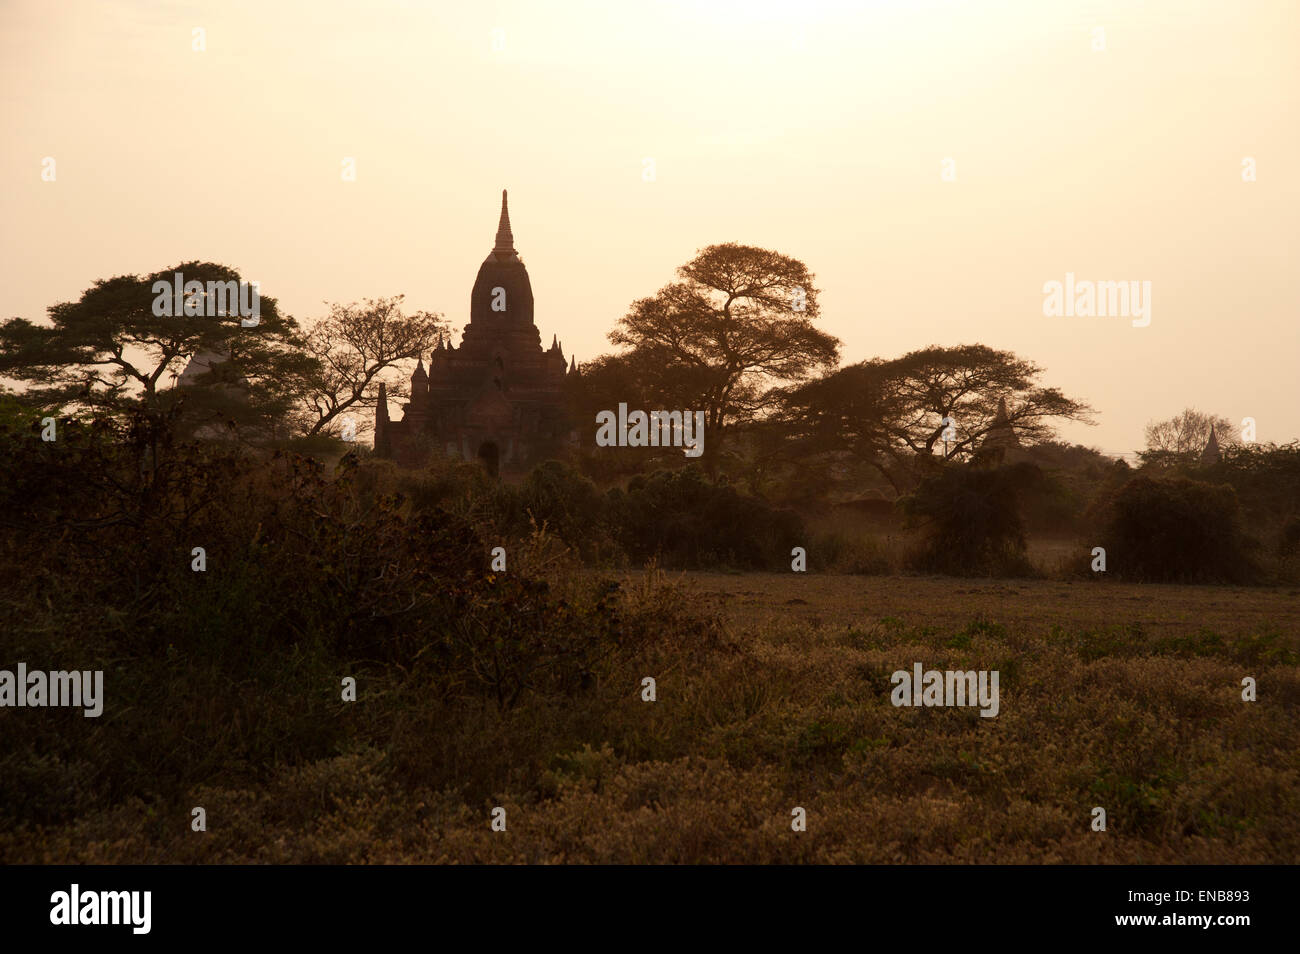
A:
1074,478
970,522
678,518
479,689
1266,478
306,579
1288,542
686,521
1175,530
857,553
557,496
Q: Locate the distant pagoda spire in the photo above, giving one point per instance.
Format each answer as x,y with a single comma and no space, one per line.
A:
1211,453
383,445
505,238
1001,433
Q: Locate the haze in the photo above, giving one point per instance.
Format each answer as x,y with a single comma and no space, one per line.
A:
813,128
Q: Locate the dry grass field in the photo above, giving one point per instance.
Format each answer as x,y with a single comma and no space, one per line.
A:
1125,697
771,603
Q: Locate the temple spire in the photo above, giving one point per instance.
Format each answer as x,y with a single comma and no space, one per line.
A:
383,446
505,238
1001,433
1211,453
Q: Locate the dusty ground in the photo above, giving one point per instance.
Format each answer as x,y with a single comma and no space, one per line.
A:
791,601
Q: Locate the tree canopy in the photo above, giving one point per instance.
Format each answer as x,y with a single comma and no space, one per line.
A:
1183,437
892,413
737,324
351,347
128,338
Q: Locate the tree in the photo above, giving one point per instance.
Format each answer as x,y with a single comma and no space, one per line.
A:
1265,477
737,324
128,338
1175,530
841,419
351,347
949,399
1182,438
932,403
970,519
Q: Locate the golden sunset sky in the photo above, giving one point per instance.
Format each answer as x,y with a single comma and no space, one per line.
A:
812,127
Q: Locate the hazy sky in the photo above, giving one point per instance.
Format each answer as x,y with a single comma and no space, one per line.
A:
815,128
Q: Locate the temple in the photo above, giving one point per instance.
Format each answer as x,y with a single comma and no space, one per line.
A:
499,397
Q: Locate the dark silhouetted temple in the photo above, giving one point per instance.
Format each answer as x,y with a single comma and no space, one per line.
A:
498,397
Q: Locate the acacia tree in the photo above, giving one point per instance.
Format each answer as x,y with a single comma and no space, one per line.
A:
946,400
892,414
632,378
352,346
737,325
841,419
123,343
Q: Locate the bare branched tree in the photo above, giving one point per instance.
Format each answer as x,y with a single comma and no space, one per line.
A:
1185,435
353,345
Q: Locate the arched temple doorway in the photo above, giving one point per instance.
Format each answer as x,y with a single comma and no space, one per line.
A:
490,455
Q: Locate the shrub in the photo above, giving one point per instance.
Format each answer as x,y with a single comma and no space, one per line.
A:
841,552
1265,478
222,673
1053,505
1288,538
1175,530
570,506
970,520
686,521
